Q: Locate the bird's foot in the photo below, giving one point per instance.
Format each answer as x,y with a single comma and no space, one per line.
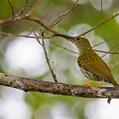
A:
87,83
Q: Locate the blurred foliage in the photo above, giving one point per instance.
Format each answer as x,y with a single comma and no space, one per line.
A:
84,13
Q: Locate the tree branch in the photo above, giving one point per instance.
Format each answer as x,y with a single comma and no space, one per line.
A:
27,84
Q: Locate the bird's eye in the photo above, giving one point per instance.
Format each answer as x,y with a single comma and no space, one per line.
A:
78,39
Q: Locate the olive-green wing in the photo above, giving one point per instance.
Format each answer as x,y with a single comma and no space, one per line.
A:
94,63
96,68
98,72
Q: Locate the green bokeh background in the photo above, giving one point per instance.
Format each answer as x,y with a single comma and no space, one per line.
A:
84,13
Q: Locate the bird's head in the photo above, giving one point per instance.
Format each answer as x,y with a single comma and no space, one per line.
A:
81,43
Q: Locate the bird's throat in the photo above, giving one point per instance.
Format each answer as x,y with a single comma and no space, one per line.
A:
84,51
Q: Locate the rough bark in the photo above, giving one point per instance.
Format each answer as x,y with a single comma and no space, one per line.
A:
27,84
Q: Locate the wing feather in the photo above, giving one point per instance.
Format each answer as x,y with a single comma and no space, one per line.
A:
96,68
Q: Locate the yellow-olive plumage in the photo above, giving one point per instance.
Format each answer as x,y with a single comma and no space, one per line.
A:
91,64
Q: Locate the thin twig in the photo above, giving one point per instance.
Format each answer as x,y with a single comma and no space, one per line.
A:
102,51
46,57
48,62
102,10
35,19
24,8
106,51
34,7
111,50
13,34
47,10
60,17
67,49
64,14
12,9
99,25
29,36
37,38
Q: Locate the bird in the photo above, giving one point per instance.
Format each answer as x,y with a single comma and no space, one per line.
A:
91,64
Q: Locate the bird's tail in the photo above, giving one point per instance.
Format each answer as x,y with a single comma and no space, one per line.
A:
109,100
116,85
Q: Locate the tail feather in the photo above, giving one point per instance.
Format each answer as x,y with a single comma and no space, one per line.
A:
116,85
109,100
